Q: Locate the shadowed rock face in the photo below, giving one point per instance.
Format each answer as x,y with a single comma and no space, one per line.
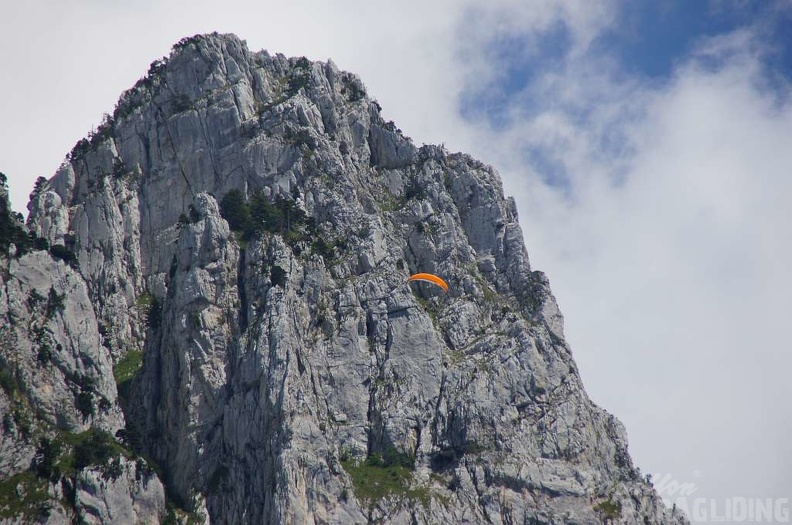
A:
289,373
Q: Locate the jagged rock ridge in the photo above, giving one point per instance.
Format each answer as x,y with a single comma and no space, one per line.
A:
246,223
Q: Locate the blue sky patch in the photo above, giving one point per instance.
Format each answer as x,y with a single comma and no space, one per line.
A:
651,37
648,42
518,60
551,170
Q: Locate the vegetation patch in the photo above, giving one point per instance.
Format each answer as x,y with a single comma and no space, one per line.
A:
415,190
373,482
56,303
533,296
102,133
8,382
353,88
84,389
61,252
281,216
154,317
60,458
278,276
288,86
93,447
327,249
24,495
20,413
192,218
431,309
299,76
12,229
96,448
150,307
119,168
143,302
300,137
175,515
384,476
125,370
609,509
182,103
34,299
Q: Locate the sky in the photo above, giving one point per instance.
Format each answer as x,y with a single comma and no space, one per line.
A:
647,145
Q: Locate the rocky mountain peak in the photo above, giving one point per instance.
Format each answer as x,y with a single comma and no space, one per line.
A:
234,329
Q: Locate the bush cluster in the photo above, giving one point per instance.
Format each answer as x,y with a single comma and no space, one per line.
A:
282,217
11,229
259,215
45,460
97,449
300,76
102,133
83,388
59,251
353,88
182,103
119,167
56,302
154,317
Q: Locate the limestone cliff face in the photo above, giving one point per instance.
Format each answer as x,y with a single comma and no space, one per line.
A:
58,397
246,223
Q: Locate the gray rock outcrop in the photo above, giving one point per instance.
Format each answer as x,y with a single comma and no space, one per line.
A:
58,397
245,224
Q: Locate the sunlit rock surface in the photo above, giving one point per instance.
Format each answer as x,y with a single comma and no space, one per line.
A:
289,373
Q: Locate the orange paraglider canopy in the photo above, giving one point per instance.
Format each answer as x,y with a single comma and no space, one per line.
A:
430,278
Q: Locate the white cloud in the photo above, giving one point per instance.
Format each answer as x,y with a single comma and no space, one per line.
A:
669,259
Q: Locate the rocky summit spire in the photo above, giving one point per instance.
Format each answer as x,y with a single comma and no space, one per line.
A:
217,323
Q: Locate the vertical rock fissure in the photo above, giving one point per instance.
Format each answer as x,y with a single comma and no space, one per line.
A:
172,143
243,302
